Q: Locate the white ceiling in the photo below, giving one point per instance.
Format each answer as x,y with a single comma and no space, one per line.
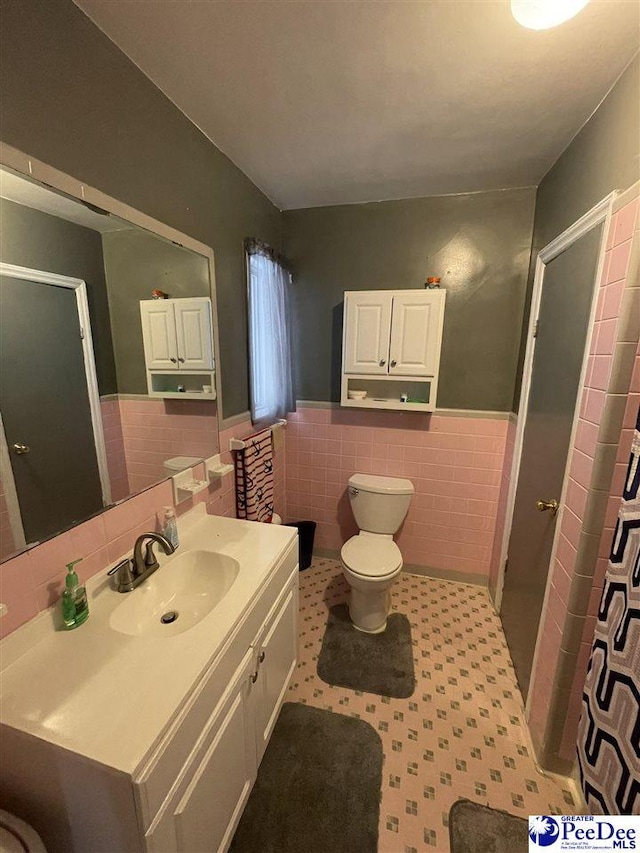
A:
25,192
338,101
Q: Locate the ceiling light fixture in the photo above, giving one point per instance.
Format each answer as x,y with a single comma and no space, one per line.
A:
543,14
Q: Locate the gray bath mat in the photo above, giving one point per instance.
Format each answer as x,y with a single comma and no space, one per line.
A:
373,663
478,829
318,787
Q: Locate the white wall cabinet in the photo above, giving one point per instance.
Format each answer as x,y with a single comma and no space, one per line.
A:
391,347
178,346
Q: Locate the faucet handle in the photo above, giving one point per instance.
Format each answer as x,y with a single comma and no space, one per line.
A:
125,574
150,559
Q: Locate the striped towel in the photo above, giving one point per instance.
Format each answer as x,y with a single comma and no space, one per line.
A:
254,478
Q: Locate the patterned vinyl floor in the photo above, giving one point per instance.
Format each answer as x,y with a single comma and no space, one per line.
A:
461,734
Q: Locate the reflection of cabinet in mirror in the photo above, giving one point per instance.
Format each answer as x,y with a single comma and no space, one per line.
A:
178,347
391,348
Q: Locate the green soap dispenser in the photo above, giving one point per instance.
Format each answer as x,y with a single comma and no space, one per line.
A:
75,606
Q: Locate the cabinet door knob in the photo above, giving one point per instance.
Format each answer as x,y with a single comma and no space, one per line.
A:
382,362
393,362
262,656
173,360
181,360
254,677
20,449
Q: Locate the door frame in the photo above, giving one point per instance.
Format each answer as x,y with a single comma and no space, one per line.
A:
600,213
80,288
10,493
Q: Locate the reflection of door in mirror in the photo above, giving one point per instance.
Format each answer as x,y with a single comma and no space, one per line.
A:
45,406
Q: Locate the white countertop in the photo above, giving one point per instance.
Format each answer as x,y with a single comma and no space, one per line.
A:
109,696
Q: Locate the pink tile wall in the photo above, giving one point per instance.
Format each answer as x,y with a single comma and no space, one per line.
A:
155,430
114,446
609,301
567,749
455,464
33,581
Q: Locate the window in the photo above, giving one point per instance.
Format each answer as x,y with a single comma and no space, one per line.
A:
269,335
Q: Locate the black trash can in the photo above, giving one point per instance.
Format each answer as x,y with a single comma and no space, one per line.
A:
306,535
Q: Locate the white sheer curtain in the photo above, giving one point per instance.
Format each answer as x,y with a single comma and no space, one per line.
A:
269,338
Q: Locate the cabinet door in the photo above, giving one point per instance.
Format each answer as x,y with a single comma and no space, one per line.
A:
159,334
205,811
416,333
276,662
193,332
366,338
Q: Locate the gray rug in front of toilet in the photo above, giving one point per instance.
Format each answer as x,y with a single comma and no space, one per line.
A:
372,663
318,787
474,828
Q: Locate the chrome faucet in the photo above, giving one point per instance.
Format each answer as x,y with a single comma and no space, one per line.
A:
132,572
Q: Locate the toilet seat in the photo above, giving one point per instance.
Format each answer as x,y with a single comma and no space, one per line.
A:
16,836
371,556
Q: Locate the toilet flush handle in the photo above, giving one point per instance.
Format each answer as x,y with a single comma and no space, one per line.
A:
353,491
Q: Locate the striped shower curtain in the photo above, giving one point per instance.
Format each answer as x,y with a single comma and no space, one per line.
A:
254,478
609,732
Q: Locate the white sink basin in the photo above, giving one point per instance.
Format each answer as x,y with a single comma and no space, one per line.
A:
189,586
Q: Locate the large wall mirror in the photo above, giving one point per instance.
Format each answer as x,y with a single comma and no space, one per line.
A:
79,431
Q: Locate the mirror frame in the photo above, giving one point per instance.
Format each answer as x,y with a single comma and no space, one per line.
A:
58,181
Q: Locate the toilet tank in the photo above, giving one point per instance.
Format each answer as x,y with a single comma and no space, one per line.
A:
379,504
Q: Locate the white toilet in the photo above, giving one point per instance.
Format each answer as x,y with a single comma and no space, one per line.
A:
16,836
371,561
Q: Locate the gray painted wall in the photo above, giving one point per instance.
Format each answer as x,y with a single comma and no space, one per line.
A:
137,263
30,238
479,244
604,156
71,98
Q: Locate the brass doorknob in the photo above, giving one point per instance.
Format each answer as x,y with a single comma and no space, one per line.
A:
542,506
20,449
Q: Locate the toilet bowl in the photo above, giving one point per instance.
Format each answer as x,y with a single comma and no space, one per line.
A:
371,560
16,836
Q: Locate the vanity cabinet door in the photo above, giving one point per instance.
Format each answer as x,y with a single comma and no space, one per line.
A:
203,813
276,660
366,336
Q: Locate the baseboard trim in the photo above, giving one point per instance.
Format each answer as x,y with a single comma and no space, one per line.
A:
422,571
450,575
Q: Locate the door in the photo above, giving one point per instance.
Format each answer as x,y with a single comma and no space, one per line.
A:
193,334
159,334
367,329
416,333
563,320
45,407
277,660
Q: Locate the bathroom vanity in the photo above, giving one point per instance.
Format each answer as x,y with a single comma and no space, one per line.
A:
118,736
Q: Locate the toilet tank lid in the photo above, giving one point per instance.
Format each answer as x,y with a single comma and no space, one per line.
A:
383,485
